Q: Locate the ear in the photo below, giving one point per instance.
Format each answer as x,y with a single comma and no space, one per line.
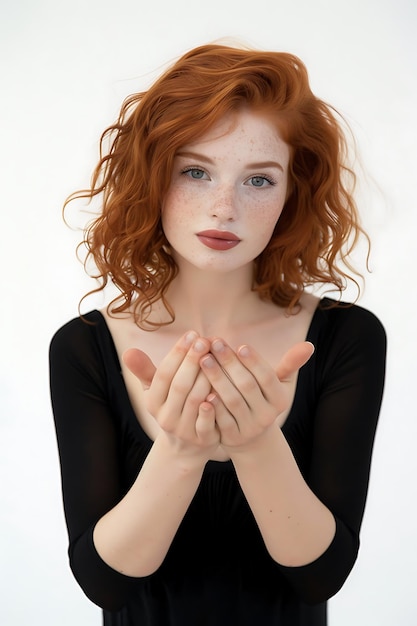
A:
293,360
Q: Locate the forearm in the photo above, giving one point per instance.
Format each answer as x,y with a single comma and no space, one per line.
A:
134,537
296,526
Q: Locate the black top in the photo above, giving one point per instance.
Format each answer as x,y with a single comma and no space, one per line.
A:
217,571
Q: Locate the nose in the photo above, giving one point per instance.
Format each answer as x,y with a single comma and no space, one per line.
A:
224,205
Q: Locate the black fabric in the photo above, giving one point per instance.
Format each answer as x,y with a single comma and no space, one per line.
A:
217,571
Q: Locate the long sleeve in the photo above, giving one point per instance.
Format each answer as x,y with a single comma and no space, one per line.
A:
218,552
345,382
89,442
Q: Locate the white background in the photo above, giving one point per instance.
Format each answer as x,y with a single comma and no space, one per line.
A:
65,69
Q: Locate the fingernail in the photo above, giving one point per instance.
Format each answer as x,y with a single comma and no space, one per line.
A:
199,346
244,351
208,361
217,345
189,338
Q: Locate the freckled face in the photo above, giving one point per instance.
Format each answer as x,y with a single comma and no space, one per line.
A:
226,194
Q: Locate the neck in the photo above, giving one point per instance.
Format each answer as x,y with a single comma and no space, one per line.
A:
212,303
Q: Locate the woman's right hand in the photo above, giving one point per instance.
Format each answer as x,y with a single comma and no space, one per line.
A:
175,395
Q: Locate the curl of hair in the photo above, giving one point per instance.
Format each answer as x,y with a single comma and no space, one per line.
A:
319,225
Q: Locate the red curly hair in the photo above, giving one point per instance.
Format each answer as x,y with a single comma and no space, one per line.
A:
319,224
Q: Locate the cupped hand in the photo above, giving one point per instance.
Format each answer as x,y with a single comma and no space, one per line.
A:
175,394
249,396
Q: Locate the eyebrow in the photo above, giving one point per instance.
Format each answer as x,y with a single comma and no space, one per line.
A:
206,159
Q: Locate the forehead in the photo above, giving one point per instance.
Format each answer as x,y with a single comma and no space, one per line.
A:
242,130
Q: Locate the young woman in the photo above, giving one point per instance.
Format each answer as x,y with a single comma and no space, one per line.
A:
214,463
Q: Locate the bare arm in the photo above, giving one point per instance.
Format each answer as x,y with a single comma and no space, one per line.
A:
296,526
134,536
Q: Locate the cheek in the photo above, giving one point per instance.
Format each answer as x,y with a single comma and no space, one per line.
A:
265,217
179,212
263,224
172,212
179,204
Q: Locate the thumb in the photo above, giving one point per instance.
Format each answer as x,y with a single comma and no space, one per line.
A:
140,365
293,360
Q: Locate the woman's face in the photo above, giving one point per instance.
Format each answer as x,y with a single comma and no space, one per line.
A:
226,194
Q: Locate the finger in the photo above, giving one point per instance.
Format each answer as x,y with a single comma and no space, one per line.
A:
225,421
140,365
269,381
241,373
188,387
293,360
168,367
232,382
179,412
230,364
205,425
196,394
289,364
184,376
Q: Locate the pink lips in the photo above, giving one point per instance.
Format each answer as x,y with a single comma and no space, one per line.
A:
218,239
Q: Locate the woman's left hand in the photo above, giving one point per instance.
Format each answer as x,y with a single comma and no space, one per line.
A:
249,396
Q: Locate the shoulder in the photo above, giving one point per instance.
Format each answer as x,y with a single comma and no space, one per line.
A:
77,337
77,354
81,326
347,335
350,319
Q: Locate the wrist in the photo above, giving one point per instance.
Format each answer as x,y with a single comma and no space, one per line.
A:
185,457
259,448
